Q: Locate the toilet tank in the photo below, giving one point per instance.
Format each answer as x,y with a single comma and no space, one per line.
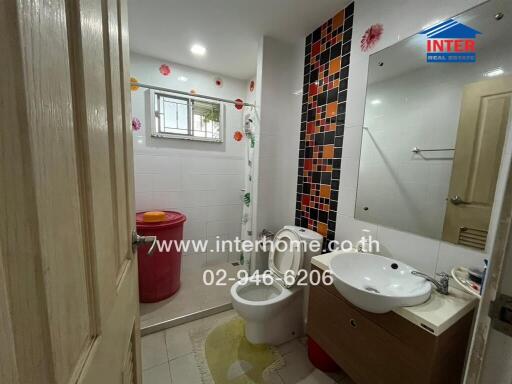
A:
308,236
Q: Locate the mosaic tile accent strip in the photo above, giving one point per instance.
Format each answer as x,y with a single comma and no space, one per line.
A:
326,68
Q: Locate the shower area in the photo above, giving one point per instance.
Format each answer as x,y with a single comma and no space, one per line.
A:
194,135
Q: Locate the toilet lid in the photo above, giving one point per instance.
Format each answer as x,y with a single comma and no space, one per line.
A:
286,254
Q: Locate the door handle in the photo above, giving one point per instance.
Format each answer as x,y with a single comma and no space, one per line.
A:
138,240
457,200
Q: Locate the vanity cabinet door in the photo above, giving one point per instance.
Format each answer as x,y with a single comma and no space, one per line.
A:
365,351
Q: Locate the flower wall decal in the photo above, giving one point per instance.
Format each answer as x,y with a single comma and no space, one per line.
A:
136,124
165,70
218,82
251,85
239,104
371,37
134,80
238,136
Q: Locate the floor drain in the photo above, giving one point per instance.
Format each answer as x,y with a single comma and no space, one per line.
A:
371,289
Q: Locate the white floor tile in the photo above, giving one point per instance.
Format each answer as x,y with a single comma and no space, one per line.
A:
297,366
178,342
290,346
184,370
153,350
317,377
157,375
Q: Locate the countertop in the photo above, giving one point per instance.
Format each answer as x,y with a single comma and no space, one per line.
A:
435,315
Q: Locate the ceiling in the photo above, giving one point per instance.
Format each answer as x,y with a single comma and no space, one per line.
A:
229,29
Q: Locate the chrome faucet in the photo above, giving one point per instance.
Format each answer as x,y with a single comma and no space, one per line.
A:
441,285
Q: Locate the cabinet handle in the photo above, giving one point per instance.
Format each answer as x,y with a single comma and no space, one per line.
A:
353,323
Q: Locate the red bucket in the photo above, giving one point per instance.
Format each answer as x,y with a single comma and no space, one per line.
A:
159,273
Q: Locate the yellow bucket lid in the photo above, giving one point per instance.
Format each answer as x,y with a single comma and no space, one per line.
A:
153,216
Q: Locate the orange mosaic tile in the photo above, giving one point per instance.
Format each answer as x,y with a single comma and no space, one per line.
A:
328,151
322,229
332,109
334,66
337,20
325,191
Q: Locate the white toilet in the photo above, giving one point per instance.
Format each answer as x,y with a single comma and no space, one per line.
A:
274,313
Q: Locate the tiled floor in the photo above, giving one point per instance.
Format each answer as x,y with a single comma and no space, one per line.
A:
167,358
193,296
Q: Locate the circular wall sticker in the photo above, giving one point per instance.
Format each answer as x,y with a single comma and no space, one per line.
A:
134,80
165,70
136,124
239,104
371,37
238,136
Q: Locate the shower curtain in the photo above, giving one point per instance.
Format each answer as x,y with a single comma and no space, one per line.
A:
247,192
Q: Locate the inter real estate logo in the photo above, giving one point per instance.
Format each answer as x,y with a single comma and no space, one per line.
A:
451,42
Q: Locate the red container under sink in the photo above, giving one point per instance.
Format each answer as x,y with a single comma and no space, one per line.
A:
320,359
159,273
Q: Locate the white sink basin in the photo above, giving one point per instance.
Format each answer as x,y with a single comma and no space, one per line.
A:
377,284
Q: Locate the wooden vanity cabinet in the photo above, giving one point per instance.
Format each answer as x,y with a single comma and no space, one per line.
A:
385,348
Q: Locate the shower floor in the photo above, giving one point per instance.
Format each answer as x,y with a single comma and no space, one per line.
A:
193,295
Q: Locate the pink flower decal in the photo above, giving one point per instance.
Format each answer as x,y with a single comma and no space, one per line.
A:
136,124
371,37
239,104
251,86
165,70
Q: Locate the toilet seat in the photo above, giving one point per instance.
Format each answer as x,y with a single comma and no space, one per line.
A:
283,259
261,294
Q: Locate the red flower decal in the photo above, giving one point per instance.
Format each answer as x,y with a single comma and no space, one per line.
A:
371,36
251,85
239,104
165,70
238,136
218,82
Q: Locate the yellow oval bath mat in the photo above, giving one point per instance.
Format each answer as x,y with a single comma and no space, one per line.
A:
224,356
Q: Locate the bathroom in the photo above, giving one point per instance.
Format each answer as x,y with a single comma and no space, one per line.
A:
366,142
377,135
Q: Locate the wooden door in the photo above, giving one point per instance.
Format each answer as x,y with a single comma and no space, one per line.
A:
480,137
68,275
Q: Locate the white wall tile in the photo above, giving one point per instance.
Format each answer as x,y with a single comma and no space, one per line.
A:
144,182
352,142
347,201
144,201
222,228
349,172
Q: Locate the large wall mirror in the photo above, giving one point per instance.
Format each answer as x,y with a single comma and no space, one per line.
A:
434,132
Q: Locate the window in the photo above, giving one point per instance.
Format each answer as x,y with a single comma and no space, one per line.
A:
186,118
